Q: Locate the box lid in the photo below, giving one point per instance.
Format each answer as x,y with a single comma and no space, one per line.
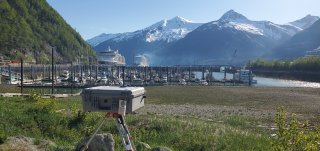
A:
116,90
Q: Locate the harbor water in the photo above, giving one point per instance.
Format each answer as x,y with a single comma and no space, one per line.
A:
268,82
272,82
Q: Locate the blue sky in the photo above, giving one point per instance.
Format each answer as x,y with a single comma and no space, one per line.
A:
93,17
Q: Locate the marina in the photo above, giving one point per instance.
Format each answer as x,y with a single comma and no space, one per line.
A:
80,76
70,79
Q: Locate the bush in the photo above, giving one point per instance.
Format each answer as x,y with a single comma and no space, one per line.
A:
3,137
295,135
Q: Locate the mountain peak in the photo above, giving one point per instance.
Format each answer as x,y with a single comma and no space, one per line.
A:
180,19
305,22
173,23
309,18
232,15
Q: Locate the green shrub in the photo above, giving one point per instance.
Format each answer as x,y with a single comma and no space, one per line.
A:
3,137
295,135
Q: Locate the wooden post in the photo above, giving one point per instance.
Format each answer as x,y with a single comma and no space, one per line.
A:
189,74
52,72
168,74
210,82
202,73
123,68
249,77
97,68
145,75
32,73
225,75
150,73
21,74
9,68
71,68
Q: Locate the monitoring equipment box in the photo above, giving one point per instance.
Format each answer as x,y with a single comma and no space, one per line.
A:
113,99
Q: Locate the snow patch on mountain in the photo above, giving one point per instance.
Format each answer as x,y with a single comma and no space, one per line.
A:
244,27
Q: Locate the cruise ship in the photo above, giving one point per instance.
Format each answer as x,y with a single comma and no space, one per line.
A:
141,60
111,57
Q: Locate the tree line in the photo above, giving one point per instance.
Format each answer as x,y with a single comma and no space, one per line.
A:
310,63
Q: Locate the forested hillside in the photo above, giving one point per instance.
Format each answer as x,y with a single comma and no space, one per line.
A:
29,29
311,63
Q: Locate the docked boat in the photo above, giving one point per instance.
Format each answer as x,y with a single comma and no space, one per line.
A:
164,79
203,82
110,57
244,76
103,80
182,82
64,76
137,82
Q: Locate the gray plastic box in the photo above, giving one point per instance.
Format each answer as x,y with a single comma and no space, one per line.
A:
112,99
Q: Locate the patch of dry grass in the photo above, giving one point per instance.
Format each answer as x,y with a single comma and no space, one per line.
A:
304,101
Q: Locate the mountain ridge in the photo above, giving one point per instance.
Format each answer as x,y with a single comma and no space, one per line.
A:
296,46
173,29
261,35
215,42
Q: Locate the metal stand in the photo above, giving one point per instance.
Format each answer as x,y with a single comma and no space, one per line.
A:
122,128
124,134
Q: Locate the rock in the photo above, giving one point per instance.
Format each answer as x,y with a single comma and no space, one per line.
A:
100,142
143,146
161,149
27,144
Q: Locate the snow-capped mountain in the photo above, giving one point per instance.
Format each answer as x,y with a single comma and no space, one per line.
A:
297,45
165,30
215,42
101,38
305,22
170,30
151,39
180,41
236,21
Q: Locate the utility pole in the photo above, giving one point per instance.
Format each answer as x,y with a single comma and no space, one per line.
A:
52,71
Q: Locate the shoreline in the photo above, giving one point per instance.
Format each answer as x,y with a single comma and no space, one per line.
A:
289,75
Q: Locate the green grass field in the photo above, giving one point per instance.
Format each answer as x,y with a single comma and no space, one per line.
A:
58,120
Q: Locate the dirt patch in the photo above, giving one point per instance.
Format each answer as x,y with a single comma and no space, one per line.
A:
304,101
